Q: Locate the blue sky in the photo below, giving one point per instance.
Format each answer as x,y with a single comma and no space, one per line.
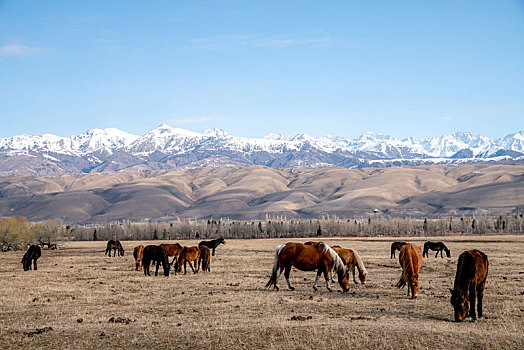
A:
402,68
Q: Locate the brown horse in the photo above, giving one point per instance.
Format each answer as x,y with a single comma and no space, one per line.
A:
205,258
188,255
173,250
470,279
138,254
410,259
396,246
352,260
116,246
308,257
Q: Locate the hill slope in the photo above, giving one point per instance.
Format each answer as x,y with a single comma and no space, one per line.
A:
253,192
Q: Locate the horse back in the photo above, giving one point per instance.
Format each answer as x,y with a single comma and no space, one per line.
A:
347,255
410,259
305,257
472,267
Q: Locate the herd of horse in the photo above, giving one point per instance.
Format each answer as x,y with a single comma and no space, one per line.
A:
196,257
467,292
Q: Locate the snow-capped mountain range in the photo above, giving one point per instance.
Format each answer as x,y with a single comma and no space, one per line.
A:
172,148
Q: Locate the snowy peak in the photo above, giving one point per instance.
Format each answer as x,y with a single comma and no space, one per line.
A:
166,147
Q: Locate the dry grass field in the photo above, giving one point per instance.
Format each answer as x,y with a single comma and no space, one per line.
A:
69,301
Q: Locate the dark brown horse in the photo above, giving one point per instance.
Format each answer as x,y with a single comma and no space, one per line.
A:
438,246
158,254
205,259
188,255
396,246
470,280
116,246
138,254
172,250
410,259
32,254
308,257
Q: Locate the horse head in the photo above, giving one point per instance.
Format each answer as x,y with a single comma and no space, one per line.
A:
416,286
343,280
222,241
448,253
362,276
460,304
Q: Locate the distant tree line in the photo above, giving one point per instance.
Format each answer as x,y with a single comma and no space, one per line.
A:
280,227
18,232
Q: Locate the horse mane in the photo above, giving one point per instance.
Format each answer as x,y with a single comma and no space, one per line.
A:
338,264
360,263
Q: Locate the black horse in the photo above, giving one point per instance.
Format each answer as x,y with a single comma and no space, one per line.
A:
158,254
212,244
438,246
33,253
396,246
116,246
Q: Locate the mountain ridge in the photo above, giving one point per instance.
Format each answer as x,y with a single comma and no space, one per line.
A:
168,148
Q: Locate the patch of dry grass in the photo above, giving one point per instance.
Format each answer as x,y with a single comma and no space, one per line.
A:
77,290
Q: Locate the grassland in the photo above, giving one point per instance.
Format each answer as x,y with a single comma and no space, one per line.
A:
69,301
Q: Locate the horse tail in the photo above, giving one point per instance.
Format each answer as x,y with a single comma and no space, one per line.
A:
273,278
338,264
401,282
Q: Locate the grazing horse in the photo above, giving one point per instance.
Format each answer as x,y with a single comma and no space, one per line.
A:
205,258
308,257
116,246
138,254
32,254
212,244
396,246
470,279
438,246
188,255
158,254
173,250
410,259
352,260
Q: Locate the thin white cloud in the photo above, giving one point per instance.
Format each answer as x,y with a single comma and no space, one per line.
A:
445,118
20,50
188,120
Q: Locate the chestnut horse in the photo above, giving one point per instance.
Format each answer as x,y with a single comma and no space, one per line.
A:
138,254
470,280
158,254
116,246
188,255
173,250
352,260
205,258
396,246
410,259
32,254
308,257
438,246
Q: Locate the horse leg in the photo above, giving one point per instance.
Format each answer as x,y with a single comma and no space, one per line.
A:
436,255
287,270
480,295
157,267
213,252
326,276
353,271
319,272
34,264
191,266
472,297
